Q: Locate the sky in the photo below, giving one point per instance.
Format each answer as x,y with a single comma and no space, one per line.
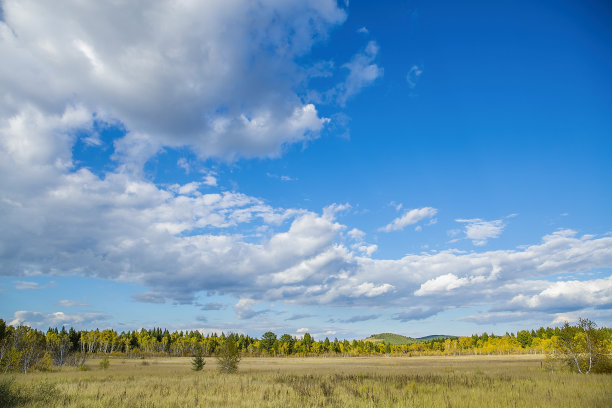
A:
332,167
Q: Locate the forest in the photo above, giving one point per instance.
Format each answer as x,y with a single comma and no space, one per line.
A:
23,348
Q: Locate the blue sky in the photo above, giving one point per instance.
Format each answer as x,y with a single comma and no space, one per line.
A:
342,169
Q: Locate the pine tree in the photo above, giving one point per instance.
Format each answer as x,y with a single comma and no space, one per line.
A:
198,361
228,356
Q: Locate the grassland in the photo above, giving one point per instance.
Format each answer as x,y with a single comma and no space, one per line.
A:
492,381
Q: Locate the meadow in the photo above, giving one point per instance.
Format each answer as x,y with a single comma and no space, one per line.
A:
463,381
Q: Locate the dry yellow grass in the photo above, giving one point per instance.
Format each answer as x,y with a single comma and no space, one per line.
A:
510,381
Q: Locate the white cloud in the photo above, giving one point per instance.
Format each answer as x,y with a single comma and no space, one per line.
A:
142,231
561,296
409,218
244,309
189,188
281,177
441,284
356,234
362,73
57,319
29,285
210,180
184,164
366,249
175,74
480,231
331,210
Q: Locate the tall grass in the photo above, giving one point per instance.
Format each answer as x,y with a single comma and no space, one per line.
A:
316,382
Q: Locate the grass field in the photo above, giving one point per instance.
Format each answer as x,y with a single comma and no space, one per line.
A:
509,381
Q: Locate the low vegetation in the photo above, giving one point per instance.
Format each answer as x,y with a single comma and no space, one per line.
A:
462,381
542,368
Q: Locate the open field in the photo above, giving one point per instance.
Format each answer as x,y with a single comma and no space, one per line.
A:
496,381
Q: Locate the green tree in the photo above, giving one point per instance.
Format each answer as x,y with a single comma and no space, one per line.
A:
268,341
198,362
287,343
307,341
228,356
524,337
387,348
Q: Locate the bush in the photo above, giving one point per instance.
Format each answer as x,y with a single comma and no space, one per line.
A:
104,363
45,363
8,393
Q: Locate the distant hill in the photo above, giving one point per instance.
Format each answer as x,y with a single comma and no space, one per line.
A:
436,337
396,339
391,338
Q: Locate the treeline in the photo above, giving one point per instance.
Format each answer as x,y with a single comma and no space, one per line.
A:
23,348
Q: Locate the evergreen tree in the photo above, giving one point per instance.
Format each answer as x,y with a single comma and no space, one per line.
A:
198,361
228,356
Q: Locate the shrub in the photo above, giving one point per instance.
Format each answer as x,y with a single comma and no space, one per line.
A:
104,363
8,394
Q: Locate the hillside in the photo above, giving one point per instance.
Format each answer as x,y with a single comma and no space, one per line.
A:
396,339
436,337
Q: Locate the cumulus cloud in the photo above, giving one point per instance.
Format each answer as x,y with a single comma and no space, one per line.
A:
441,284
409,218
218,76
567,295
480,231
